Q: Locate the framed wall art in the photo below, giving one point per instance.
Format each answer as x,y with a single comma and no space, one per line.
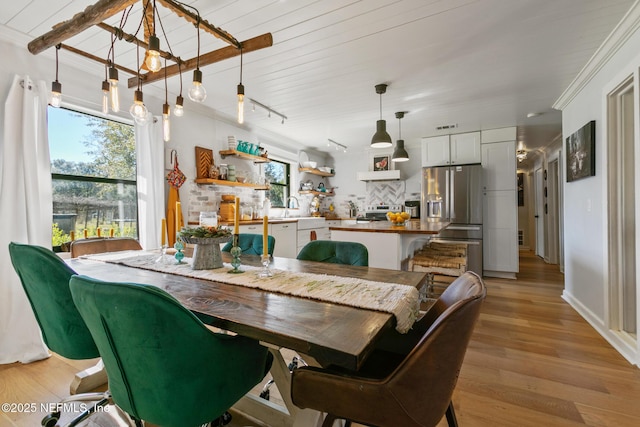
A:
581,152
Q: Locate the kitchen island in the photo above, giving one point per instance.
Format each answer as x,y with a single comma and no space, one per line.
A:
389,246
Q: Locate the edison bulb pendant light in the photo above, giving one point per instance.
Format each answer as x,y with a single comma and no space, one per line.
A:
240,103
105,96
113,92
166,124
56,94
152,60
178,111
138,110
197,92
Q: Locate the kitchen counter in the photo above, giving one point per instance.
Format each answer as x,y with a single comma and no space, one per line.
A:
389,246
410,227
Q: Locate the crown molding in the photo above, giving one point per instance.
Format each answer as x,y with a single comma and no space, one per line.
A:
625,29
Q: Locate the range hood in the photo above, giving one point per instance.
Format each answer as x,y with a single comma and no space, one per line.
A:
393,175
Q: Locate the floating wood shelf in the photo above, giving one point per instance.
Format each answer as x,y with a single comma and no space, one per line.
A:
316,193
255,159
314,171
230,183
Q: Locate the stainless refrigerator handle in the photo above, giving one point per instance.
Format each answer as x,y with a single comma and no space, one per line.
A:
452,186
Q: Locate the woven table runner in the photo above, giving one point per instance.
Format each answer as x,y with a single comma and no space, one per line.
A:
400,300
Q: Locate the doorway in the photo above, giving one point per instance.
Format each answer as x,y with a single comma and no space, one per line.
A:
621,196
553,213
539,212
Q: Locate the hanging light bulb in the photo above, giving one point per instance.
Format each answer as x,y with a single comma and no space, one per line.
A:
166,125
138,110
56,94
113,92
56,86
399,154
197,92
152,60
381,138
240,94
105,96
179,109
241,103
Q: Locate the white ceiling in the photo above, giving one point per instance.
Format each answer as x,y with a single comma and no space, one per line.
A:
480,64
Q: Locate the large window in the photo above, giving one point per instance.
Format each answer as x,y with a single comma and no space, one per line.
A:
277,173
93,168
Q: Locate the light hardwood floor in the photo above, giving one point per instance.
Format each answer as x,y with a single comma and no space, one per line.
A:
532,361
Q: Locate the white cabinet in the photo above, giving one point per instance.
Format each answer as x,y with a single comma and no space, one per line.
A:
465,148
459,149
326,232
250,229
500,237
499,166
285,235
286,239
312,229
500,216
435,151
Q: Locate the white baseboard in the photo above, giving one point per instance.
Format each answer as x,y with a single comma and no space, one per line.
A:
621,346
499,274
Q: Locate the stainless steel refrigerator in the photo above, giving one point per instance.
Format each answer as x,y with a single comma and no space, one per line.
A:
454,194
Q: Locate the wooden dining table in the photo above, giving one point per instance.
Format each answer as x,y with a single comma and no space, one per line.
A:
324,333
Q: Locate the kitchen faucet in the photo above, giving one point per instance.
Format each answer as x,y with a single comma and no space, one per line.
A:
286,207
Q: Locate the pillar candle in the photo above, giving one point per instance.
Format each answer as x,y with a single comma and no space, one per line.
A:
111,232
98,232
178,216
236,222
163,232
72,235
86,233
265,235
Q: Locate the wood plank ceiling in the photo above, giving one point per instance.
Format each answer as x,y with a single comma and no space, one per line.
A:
479,64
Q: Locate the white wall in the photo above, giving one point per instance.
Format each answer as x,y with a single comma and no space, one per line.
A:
585,211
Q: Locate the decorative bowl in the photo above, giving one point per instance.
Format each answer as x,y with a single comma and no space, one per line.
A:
398,218
311,165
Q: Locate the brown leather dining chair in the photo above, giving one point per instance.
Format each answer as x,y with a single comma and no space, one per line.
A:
97,245
394,389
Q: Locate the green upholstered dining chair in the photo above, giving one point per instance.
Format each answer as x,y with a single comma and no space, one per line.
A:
164,366
45,279
251,244
395,389
349,253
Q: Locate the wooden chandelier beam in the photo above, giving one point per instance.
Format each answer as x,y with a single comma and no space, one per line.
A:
256,43
96,58
92,15
193,18
132,39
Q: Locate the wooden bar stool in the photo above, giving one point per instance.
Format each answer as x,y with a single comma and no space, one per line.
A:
442,262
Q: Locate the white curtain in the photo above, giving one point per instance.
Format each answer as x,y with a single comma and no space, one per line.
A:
150,166
26,211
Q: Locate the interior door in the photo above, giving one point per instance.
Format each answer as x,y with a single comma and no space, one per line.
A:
539,212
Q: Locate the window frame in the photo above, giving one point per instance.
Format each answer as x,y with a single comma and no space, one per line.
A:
97,179
286,186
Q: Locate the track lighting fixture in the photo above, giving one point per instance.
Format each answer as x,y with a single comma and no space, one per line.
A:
269,110
337,144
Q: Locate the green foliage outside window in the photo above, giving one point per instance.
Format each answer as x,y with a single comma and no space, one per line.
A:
277,173
98,191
